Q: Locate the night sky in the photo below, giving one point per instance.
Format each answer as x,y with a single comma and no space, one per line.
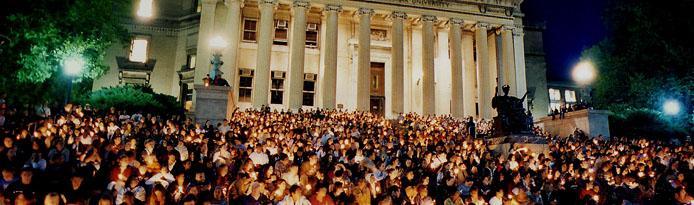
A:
572,26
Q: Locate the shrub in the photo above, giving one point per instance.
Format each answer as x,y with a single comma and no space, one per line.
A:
133,98
644,123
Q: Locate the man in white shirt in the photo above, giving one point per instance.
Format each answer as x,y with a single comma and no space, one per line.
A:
224,128
498,199
259,157
295,198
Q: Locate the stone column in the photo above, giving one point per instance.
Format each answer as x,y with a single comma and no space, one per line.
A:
298,46
428,92
233,23
470,76
507,53
456,50
261,80
364,62
330,73
518,47
485,92
398,62
205,33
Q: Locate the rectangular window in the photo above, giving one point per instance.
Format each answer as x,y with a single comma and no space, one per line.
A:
281,32
245,85
276,97
250,29
277,87
190,62
309,89
570,96
138,50
554,94
554,99
145,9
312,35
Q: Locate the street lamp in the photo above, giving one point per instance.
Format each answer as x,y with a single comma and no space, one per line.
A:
584,74
671,107
72,66
217,44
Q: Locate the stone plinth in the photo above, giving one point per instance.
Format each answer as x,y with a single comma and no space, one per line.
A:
213,103
592,122
528,142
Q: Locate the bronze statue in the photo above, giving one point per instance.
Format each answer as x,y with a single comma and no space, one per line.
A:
512,117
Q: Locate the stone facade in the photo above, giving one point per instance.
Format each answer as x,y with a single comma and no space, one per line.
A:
536,69
409,65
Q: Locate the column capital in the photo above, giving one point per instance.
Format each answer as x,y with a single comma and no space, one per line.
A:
508,27
428,18
271,2
483,25
456,21
365,11
331,7
398,15
301,3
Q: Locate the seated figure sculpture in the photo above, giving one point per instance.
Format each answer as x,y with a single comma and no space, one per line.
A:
512,117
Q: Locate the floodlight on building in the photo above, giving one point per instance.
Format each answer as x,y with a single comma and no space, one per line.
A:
73,65
671,107
218,43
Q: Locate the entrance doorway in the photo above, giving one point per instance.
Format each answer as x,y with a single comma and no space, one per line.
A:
377,101
378,105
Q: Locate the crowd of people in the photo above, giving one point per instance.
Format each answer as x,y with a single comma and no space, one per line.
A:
84,156
563,109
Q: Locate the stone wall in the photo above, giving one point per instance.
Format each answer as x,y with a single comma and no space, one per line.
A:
592,122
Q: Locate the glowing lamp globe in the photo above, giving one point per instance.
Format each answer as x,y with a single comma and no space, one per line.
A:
73,65
218,43
671,107
583,73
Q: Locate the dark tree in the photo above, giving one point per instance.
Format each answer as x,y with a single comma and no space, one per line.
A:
43,32
647,57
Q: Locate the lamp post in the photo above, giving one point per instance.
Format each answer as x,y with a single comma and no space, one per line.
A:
72,66
584,74
217,44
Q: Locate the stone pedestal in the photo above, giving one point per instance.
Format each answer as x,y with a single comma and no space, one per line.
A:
592,122
527,142
213,103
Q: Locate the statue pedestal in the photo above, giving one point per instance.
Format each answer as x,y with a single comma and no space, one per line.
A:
592,122
213,103
528,142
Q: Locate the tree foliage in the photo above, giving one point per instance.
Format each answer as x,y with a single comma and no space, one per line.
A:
43,32
648,55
